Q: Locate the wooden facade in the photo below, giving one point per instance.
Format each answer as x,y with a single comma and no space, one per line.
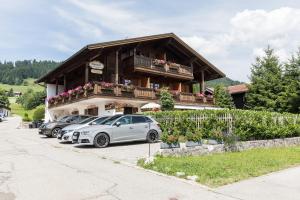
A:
147,63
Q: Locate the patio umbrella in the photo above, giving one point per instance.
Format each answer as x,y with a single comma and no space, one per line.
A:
150,106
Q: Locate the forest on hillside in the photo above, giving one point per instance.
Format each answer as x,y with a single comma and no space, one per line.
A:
14,73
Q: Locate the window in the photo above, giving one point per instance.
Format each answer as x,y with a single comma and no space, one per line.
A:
100,120
125,120
148,120
85,121
138,119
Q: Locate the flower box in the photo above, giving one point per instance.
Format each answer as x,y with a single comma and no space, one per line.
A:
169,146
193,143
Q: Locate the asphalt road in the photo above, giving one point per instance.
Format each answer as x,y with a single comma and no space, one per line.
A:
37,168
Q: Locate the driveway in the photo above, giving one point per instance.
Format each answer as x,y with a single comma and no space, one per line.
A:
33,168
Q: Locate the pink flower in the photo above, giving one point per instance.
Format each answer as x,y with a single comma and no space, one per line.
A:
199,95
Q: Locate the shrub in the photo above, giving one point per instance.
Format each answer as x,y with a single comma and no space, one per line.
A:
26,118
39,113
218,124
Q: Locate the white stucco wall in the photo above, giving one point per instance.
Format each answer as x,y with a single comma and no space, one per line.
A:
51,91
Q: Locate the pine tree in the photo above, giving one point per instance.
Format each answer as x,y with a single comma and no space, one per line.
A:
266,83
166,100
291,92
222,98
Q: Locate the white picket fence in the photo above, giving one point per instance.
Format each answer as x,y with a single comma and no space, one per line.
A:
227,118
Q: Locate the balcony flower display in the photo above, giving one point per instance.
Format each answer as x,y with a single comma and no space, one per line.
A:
88,86
79,90
106,85
51,100
64,95
199,95
72,92
159,62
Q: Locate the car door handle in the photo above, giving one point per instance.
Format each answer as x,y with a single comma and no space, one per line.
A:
146,126
131,127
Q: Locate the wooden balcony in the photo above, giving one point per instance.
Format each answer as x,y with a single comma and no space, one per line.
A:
130,93
158,67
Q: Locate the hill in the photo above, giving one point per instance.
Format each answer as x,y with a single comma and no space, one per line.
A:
222,81
14,73
29,83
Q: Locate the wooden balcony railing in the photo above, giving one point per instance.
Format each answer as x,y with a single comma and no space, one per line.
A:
121,91
150,65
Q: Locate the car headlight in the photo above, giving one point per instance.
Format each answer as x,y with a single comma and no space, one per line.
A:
50,125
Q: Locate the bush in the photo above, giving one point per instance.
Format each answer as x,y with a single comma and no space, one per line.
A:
218,124
39,113
26,118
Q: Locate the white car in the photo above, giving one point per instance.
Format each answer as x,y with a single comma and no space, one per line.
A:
119,128
65,135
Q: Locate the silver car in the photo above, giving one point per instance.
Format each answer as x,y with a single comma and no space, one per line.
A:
119,128
65,135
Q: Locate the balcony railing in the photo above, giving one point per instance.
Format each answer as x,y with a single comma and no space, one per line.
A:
121,91
149,65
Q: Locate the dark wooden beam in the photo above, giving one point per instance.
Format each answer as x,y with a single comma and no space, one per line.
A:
86,73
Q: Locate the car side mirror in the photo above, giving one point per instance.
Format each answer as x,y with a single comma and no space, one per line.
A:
93,123
118,124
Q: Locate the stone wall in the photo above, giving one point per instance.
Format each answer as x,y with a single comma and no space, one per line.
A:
220,148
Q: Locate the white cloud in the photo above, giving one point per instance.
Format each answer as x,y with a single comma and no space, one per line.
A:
244,36
251,31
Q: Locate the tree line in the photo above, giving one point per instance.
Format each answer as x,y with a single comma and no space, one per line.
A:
14,73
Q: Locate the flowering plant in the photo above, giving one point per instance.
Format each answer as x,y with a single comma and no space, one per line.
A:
88,86
159,62
79,90
72,92
51,100
199,94
107,85
64,95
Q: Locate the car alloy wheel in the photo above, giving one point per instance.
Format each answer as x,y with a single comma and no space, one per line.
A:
152,136
55,132
101,140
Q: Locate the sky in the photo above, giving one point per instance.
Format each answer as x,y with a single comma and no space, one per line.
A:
230,34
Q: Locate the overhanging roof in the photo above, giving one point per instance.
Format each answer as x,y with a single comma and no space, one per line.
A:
132,41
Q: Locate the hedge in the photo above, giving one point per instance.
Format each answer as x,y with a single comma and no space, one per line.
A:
218,124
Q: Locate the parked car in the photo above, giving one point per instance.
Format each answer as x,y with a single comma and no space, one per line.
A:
42,128
66,133
53,128
119,128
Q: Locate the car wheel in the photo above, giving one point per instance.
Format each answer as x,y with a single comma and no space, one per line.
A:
152,136
55,131
101,140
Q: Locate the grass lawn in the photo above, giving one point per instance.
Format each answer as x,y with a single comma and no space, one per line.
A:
23,88
19,110
220,169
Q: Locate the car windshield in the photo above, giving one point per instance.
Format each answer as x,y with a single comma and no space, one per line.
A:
110,120
64,119
85,121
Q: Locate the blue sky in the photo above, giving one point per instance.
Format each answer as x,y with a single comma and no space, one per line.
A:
230,34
